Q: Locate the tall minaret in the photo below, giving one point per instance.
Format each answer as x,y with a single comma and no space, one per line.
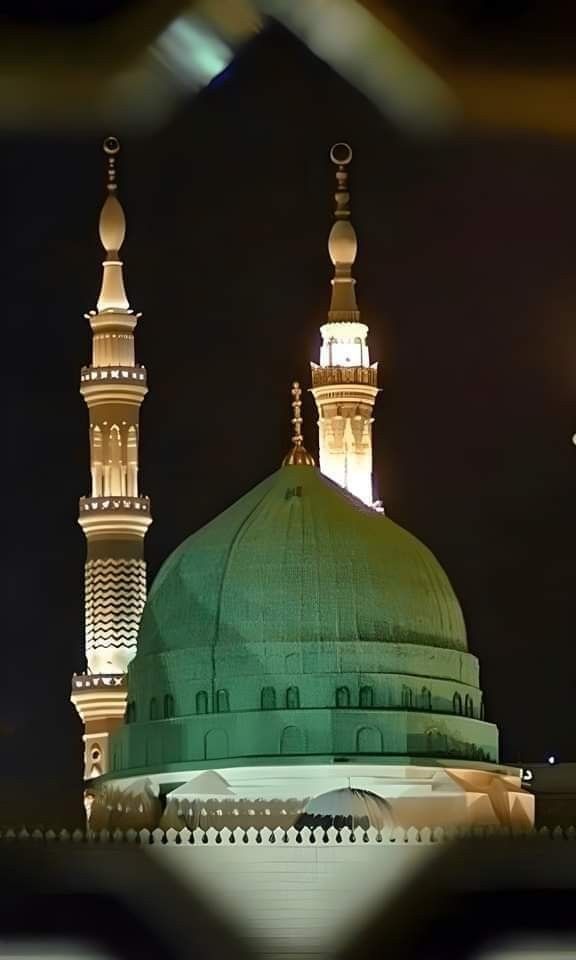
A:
345,383
115,517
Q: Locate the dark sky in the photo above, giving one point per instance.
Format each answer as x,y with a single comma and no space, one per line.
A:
466,278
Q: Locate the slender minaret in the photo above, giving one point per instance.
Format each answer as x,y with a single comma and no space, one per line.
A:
345,383
114,517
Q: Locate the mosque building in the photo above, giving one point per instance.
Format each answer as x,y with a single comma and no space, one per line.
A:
301,661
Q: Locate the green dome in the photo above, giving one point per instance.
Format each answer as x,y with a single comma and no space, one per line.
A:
297,627
297,558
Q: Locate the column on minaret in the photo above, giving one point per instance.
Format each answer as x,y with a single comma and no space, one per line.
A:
114,517
345,383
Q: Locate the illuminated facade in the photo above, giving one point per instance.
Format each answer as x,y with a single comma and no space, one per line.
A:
114,517
345,383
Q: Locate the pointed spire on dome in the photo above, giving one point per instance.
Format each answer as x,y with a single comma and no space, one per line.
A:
342,242
112,231
298,455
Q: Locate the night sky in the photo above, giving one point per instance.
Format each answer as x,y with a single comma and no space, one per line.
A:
466,278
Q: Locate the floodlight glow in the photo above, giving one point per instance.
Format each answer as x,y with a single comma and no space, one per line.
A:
192,53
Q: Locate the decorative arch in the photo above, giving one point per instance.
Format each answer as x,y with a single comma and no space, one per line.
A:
292,698
169,708
425,699
342,697
468,706
153,713
292,741
201,702
216,745
268,698
222,701
368,740
366,697
407,698
457,703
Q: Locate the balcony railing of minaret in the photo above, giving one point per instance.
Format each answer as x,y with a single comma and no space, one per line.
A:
113,504
92,681
114,374
326,376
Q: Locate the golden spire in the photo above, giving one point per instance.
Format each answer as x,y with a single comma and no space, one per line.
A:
112,231
342,242
298,455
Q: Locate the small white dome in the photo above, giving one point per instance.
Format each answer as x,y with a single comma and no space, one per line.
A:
350,804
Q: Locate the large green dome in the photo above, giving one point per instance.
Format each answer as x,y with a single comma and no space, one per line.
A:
300,626
298,559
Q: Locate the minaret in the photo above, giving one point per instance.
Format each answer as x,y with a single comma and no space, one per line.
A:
345,383
115,517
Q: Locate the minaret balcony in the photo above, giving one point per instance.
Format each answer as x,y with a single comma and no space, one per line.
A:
115,517
114,504
335,376
94,681
132,375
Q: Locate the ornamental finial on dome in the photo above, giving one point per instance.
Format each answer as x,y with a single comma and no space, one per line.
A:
112,231
298,455
342,242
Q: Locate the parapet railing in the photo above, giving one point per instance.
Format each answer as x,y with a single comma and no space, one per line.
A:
328,376
89,681
113,373
292,837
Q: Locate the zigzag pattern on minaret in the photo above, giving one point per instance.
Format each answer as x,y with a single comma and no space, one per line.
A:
115,597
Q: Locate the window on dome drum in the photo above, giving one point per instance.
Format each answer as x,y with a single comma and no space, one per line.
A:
168,706
153,709
292,698
366,697
268,698
202,702
368,740
342,697
222,701
457,703
425,699
292,740
468,706
407,700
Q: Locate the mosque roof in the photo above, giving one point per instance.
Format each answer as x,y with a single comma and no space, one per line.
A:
298,558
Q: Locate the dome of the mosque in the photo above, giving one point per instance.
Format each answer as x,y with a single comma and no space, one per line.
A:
297,559
348,806
298,625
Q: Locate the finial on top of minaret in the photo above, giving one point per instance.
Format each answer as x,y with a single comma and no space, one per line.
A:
112,232
342,242
298,455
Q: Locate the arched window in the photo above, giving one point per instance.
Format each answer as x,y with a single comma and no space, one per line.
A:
482,709
406,697
153,709
366,697
268,698
202,702
368,740
292,698
129,712
292,741
425,699
468,706
457,703
342,697
168,706
222,701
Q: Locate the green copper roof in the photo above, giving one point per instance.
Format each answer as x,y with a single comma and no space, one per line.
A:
298,559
